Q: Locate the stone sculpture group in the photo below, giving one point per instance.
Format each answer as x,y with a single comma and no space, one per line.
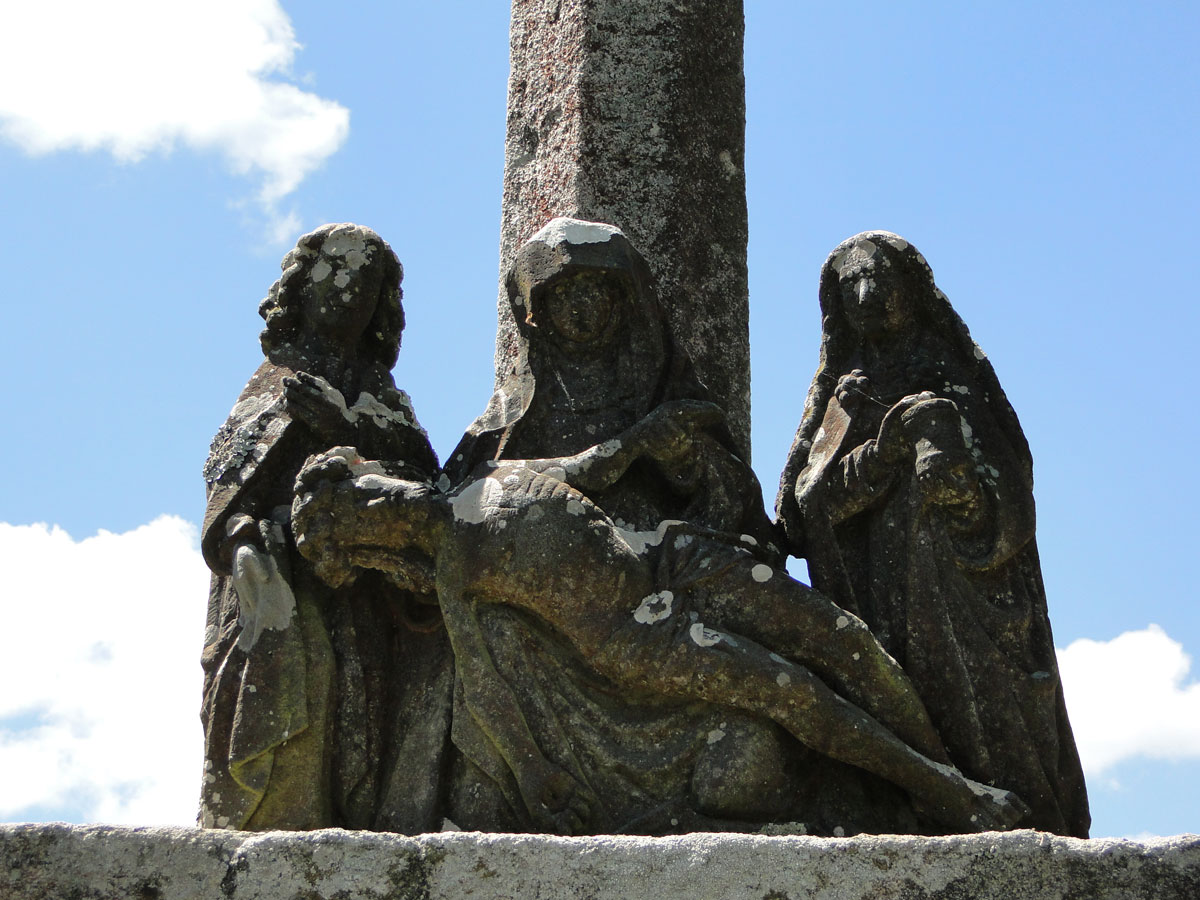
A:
581,622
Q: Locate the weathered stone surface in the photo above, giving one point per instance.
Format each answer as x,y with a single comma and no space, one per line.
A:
597,538
633,112
99,862
909,490
320,706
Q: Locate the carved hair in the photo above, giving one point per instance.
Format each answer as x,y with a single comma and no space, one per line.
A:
282,306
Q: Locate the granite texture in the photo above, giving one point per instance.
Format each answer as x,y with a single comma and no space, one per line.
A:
633,113
100,862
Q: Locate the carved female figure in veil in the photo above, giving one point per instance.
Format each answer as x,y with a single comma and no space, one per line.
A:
909,490
598,376
595,358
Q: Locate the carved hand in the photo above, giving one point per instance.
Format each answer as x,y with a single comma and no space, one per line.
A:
320,493
668,433
943,465
852,389
893,444
319,405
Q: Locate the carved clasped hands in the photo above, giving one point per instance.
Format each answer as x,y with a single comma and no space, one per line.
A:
926,431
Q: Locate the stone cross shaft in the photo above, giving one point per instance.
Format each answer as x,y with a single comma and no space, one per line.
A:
632,112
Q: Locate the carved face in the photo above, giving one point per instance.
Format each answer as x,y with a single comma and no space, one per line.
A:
582,308
873,299
339,302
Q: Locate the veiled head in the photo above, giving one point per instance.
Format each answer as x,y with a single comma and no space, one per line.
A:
875,285
582,286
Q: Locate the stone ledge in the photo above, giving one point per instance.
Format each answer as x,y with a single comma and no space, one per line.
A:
95,862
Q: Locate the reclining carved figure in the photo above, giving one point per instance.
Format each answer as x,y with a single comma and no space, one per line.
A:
523,533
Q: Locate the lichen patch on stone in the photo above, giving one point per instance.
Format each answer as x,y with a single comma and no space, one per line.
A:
475,500
654,608
565,230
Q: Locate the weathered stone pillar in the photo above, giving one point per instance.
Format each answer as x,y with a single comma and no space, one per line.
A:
633,112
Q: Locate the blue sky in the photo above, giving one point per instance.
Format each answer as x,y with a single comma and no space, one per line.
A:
156,161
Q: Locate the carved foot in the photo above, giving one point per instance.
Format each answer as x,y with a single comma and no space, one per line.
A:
557,802
976,807
994,809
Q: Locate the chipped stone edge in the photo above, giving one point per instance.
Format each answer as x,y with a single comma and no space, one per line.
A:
43,860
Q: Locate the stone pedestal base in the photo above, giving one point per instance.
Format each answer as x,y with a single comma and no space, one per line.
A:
99,862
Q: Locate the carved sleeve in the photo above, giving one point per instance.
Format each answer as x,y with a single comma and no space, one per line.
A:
849,485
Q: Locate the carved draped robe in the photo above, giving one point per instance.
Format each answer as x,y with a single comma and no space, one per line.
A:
957,598
341,717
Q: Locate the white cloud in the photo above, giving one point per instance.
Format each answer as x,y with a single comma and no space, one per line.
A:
100,662
1130,697
132,77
